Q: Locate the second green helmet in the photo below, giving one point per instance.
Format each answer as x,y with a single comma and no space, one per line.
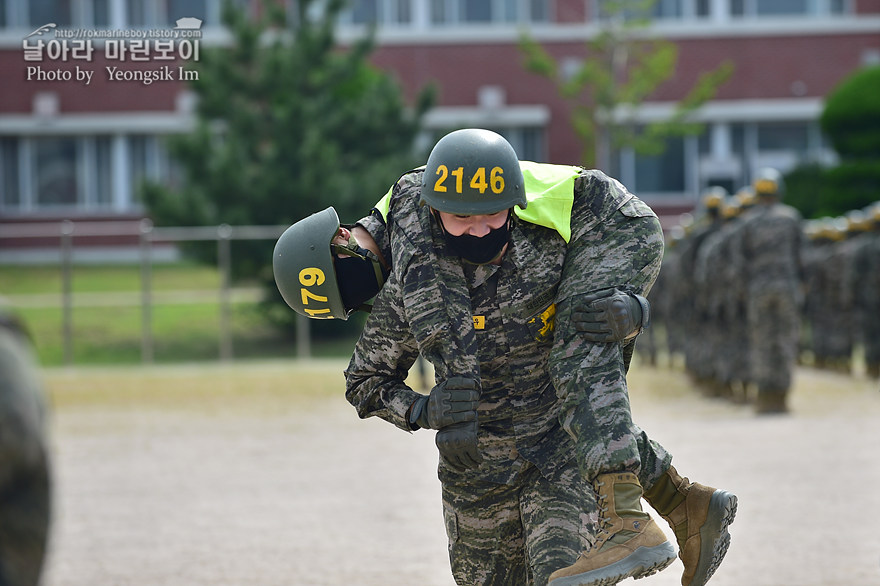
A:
473,172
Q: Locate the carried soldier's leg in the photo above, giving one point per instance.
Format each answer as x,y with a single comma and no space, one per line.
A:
699,516
622,248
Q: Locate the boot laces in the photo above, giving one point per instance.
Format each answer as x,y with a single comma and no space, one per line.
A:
604,520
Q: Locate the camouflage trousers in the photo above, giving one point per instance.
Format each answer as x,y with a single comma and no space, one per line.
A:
625,248
872,339
774,328
520,533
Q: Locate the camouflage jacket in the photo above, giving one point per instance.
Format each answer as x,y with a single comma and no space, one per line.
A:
769,250
495,323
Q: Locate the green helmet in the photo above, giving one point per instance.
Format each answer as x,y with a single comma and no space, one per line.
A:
473,172
304,269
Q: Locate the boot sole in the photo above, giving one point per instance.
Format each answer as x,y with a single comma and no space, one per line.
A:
641,563
714,537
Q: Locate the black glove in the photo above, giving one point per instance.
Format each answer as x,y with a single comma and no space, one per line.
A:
611,315
458,445
452,401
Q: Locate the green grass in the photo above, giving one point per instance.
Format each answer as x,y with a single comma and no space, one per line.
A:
113,334
16,280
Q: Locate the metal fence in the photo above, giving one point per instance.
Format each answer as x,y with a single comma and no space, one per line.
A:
144,235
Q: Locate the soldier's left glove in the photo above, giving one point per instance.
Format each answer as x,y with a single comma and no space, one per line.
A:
454,400
611,315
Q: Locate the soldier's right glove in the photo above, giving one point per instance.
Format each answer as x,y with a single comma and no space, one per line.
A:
611,315
452,401
458,445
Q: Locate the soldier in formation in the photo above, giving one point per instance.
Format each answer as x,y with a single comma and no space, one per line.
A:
842,293
749,289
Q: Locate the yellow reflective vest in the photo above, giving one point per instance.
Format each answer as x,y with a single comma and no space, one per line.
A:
549,192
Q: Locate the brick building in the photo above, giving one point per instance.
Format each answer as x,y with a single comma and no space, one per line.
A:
71,149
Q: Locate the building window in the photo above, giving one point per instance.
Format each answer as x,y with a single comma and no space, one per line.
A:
791,136
9,164
438,12
750,8
701,9
137,161
475,10
55,171
83,173
454,12
663,173
144,13
101,172
183,8
528,142
667,9
379,12
101,12
779,7
539,11
148,160
63,13
41,12
365,12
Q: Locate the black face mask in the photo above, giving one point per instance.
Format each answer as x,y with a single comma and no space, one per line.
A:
357,279
479,250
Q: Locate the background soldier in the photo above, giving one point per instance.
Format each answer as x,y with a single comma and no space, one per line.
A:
725,337
870,265
693,303
770,252
854,251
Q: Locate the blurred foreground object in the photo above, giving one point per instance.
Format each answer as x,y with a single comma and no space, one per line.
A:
25,497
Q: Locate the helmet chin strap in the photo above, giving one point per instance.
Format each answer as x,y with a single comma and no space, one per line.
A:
353,249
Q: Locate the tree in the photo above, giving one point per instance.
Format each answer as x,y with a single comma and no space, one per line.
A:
851,121
622,68
851,116
288,122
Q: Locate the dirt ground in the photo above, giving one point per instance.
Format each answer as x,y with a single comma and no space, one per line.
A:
256,475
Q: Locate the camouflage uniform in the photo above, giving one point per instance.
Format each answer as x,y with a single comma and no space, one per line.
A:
526,511
24,467
672,311
819,288
735,326
838,341
770,250
856,271
693,306
717,283
871,297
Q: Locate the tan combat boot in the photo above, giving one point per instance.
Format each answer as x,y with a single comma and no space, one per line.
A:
770,403
629,543
699,515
